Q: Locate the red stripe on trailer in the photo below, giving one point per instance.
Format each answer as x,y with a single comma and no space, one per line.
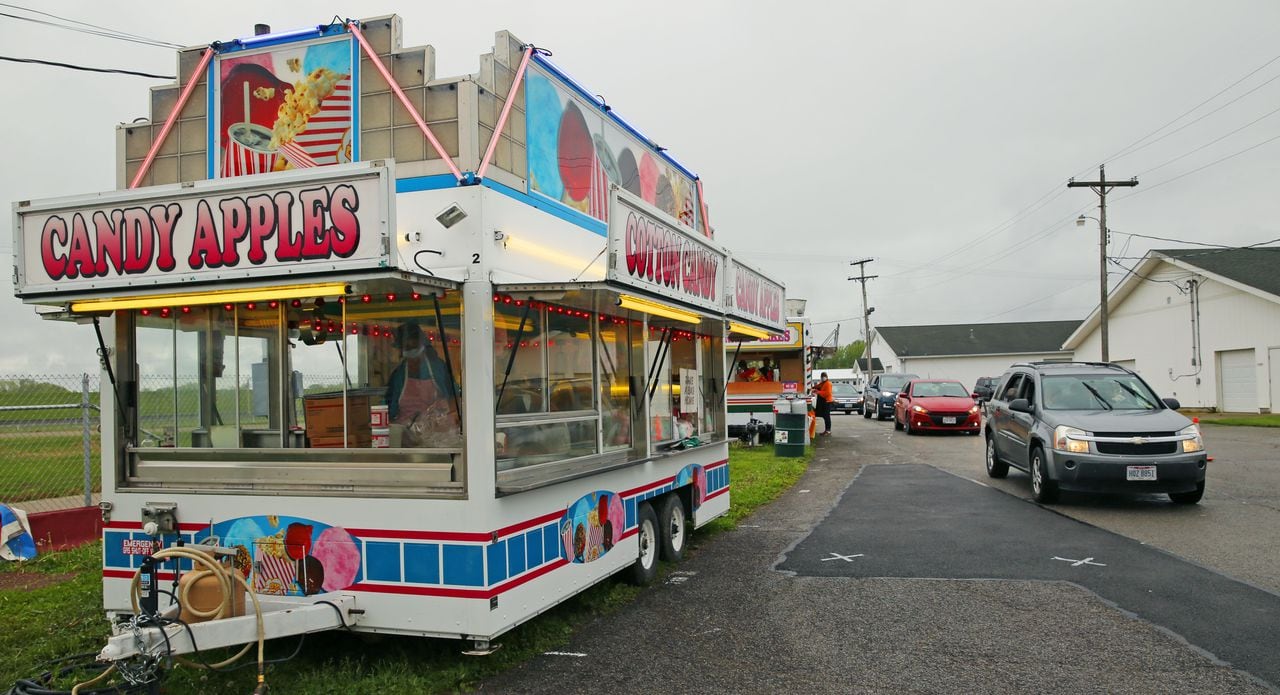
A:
422,535
717,464
128,574
717,493
137,526
537,521
648,486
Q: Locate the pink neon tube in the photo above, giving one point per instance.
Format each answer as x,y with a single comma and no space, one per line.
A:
173,117
506,110
386,75
702,203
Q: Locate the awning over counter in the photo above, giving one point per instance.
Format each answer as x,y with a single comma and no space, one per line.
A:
236,292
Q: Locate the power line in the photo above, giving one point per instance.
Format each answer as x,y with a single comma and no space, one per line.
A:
86,68
1126,149
1201,118
1211,142
92,29
1148,189
1176,241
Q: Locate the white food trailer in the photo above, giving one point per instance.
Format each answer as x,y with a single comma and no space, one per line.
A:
437,378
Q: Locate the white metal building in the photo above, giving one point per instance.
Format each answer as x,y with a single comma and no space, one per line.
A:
1201,325
965,352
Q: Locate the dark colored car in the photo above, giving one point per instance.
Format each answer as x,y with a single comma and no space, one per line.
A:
985,386
1092,427
847,397
878,397
936,404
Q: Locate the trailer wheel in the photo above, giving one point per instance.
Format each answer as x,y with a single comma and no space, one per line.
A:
645,568
673,527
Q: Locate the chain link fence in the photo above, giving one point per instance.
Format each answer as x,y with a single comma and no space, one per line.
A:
49,440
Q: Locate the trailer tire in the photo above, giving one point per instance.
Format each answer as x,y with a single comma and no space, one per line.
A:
673,526
645,569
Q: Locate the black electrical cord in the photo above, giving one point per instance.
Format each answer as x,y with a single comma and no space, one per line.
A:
42,684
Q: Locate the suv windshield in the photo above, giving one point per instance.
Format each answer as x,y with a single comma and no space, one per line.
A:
944,388
1098,392
892,383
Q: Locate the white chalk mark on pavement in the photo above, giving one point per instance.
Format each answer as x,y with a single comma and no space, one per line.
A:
1077,563
576,655
838,556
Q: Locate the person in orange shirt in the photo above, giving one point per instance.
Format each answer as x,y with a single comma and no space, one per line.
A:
822,406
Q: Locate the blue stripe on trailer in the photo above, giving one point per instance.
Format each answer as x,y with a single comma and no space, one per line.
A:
463,565
533,547
434,182
497,561
552,549
516,559
631,512
113,550
382,561
422,562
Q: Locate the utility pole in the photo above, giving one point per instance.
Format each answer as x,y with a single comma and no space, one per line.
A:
862,277
1102,186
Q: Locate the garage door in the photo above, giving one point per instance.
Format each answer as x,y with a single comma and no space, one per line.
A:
1239,381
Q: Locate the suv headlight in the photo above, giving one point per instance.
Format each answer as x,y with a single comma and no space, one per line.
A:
1195,444
1063,440
887,394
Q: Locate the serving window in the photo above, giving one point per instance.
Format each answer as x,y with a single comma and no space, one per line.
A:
305,377
551,402
576,378
686,395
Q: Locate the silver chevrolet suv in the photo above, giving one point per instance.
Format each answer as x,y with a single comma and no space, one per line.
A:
1091,427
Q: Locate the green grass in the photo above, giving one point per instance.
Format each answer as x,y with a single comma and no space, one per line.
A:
64,619
36,464
1240,420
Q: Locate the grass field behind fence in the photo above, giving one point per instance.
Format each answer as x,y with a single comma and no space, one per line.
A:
37,465
65,618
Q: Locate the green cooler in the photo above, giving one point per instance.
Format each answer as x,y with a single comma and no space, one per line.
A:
790,428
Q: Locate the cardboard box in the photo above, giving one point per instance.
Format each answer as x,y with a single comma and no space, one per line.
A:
324,415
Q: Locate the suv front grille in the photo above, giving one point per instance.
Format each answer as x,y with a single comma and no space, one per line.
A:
1147,449
1129,448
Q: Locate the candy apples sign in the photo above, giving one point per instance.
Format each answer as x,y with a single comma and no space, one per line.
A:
215,230
652,253
754,297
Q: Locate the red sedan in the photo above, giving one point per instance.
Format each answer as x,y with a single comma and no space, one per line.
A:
935,404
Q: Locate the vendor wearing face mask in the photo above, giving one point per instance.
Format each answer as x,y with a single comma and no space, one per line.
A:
420,384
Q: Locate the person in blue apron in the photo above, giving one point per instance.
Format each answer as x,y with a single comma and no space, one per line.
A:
419,391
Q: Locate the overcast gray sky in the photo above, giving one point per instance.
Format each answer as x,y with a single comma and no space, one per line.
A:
936,137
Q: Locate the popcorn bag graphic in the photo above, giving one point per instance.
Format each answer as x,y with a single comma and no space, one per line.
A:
311,127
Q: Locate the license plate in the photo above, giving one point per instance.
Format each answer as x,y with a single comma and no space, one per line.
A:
948,421
1140,473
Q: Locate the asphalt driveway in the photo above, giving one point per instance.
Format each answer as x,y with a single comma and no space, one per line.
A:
974,609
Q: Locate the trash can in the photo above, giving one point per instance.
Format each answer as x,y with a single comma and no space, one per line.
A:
789,429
